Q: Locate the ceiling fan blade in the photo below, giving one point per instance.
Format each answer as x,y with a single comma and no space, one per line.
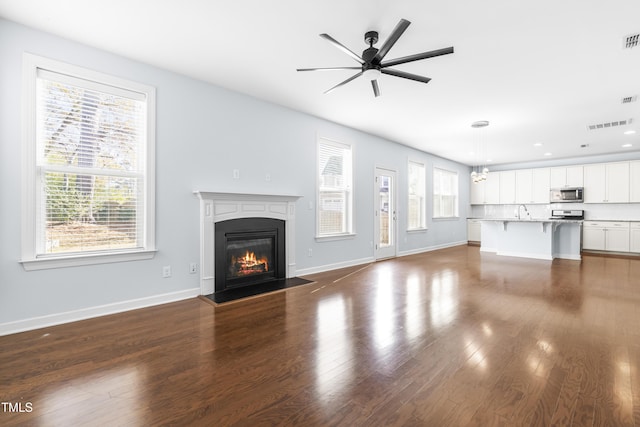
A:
405,75
344,82
376,89
393,38
341,47
329,69
418,56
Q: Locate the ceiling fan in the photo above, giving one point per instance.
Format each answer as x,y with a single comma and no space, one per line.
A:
372,64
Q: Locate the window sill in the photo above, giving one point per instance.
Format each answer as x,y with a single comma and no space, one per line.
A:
334,237
79,260
417,230
447,218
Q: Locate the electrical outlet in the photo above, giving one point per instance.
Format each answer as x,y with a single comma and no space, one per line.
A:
193,268
310,252
267,177
236,174
166,271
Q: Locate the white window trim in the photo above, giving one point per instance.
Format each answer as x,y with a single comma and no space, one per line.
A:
30,65
424,202
351,220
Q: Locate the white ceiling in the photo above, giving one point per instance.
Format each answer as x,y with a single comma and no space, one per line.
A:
539,71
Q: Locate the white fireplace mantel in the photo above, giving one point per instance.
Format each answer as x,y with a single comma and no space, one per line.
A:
218,206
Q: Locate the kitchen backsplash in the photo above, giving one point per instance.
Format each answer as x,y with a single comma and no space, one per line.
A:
613,212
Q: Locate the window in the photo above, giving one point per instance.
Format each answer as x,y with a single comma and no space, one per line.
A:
334,206
89,166
417,197
445,193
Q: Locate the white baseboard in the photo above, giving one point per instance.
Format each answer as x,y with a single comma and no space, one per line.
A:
526,255
336,266
431,248
573,257
100,310
355,262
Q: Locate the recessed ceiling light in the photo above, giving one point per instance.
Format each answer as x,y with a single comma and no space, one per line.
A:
489,160
538,144
630,132
627,145
547,154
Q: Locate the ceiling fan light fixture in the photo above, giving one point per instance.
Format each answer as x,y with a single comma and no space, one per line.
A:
371,74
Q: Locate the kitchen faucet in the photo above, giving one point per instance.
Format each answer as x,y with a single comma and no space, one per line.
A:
525,210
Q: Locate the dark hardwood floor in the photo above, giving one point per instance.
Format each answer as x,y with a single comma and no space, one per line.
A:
450,337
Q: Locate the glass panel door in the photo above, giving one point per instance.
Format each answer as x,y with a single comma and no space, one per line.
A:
385,213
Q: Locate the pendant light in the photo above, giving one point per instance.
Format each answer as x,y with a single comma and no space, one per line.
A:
480,171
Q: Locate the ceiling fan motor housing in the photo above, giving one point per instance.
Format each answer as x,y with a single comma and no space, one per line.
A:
368,56
371,37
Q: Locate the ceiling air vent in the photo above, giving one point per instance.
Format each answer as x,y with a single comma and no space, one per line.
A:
631,41
629,99
610,124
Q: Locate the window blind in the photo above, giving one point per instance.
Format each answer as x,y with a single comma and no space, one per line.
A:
417,194
445,193
90,151
334,188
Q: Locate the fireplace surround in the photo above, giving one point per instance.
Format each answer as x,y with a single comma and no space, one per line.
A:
219,208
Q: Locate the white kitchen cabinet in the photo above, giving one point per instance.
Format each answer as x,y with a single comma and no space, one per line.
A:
492,189
567,176
477,193
541,185
634,237
532,186
606,236
606,183
634,181
593,236
508,188
474,227
524,186
486,192
595,186
617,237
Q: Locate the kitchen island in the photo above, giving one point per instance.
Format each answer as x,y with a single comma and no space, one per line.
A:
532,238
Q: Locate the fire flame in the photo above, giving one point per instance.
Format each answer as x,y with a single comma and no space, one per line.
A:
250,264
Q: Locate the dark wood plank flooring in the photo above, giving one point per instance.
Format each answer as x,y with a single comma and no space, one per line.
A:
450,337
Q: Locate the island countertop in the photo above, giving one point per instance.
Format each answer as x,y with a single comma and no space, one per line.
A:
554,220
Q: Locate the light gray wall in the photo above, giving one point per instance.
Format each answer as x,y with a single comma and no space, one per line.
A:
203,133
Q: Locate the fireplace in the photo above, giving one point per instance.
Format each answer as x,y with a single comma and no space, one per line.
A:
222,208
250,251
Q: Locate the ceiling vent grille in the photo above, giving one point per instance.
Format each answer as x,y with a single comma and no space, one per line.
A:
608,125
629,99
631,41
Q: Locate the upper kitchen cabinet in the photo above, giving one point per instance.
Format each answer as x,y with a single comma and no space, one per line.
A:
532,186
486,192
508,188
634,174
567,176
606,183
492,189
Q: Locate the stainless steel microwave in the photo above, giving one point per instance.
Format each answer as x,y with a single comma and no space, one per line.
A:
567,195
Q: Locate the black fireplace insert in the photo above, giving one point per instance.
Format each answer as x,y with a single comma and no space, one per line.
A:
249,252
